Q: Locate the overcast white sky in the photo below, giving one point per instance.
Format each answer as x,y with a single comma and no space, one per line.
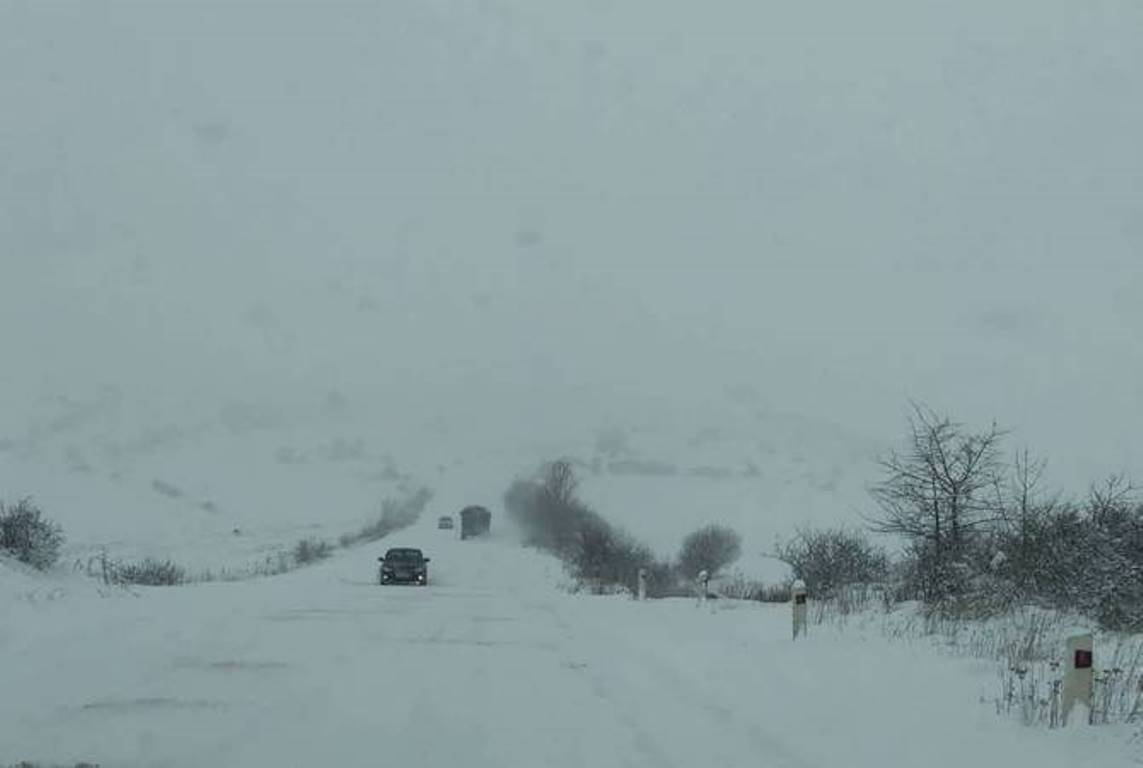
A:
556,212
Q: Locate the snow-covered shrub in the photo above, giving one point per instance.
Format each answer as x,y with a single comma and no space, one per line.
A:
827,559
982,537
29,537
605,556
309,551
710,548
150,572
1085,556
739,587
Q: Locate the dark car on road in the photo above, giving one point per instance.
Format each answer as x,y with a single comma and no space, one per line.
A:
404,565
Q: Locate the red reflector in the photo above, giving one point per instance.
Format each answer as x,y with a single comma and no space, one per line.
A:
1083,659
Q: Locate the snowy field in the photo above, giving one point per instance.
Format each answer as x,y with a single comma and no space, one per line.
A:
492,665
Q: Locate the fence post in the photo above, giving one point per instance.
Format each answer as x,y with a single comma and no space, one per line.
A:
799,601
1079,676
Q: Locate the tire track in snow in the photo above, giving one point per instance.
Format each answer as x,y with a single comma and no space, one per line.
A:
673,720
726,716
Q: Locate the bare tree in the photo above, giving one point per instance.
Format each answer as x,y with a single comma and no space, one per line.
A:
1110,501
936,493
709,549
1027,472
1025,511
559,483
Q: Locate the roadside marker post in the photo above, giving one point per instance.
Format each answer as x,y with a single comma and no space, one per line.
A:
1079,675
704,585
642,584
799,601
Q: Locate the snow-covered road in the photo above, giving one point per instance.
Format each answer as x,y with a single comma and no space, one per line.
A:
490,666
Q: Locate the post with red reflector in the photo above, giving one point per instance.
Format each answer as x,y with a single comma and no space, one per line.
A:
800,602
1079,676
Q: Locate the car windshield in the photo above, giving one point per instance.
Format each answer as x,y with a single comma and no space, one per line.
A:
404,555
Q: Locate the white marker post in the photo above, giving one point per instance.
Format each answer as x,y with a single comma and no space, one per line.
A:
642,584
704,583
1079,675
799,601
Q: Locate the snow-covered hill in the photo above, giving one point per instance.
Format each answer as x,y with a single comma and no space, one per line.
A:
230,487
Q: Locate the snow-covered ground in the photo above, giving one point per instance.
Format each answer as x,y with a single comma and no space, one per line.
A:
492,665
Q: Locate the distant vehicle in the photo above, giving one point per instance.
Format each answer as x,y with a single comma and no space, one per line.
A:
474,521
404,565
445,523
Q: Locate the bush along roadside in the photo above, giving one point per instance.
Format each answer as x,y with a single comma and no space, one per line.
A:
29,537
148,572
598,556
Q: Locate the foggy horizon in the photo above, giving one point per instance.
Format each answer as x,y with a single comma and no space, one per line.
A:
573,221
